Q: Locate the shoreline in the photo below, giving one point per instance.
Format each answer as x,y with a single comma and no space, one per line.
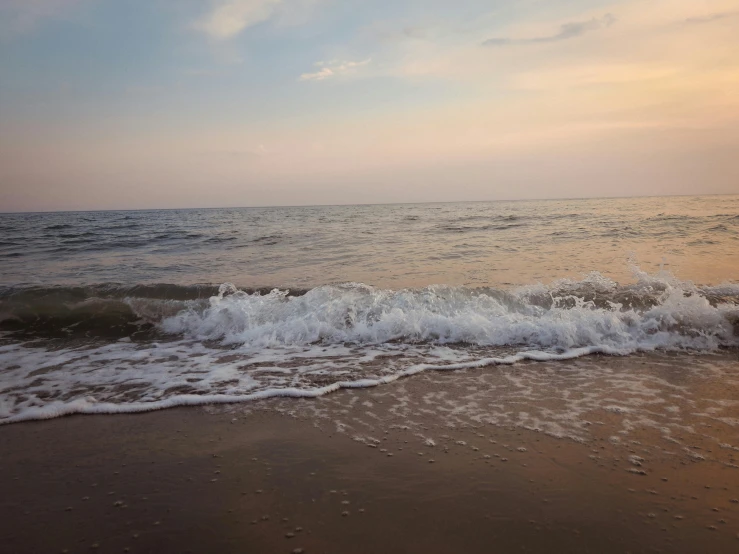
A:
223,479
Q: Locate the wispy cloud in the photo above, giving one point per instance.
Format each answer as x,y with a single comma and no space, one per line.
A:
566,31
711,17
333,68
18,17
229,18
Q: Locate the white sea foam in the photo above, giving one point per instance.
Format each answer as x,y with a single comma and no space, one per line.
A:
679,317
31,404
243,347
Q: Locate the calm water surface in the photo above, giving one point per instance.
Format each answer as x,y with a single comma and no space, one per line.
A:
389,246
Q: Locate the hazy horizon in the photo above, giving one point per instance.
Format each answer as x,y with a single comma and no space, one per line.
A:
215,103
482,201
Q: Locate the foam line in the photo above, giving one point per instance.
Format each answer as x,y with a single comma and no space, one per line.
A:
85,406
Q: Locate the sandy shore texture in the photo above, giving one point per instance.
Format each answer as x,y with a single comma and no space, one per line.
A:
411,467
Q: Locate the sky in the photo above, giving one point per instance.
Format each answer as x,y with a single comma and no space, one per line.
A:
206,103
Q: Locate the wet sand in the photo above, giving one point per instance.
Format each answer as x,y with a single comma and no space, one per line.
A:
276,477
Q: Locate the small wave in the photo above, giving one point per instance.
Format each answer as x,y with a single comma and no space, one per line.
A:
219,240
109,310
594,312
132,243
121,227
268,239
719,228
491,219
205,344
77,235
477,228
564,216
503,227
671,217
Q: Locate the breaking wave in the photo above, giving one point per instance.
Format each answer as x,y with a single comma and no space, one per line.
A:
110,349
655,312
591,313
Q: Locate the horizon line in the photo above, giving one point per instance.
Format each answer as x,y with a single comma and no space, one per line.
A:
368,204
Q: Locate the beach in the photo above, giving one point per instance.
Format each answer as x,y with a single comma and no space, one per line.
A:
373,470
470,377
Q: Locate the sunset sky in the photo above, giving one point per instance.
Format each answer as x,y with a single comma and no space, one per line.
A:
194,103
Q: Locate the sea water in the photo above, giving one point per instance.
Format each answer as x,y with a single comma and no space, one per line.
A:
108,312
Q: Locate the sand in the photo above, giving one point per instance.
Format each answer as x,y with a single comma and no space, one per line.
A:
352,472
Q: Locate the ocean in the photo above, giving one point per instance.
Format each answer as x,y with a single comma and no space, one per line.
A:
130,311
